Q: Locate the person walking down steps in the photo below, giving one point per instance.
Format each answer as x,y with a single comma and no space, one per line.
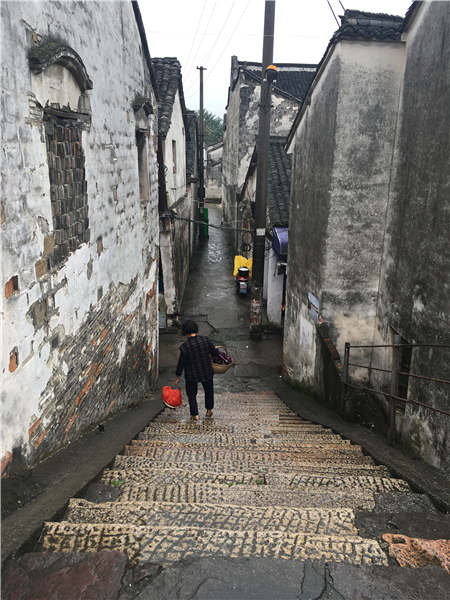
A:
195,360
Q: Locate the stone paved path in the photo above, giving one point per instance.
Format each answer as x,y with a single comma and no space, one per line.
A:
253,481
253,497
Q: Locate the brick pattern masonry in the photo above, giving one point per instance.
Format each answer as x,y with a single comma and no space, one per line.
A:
68,188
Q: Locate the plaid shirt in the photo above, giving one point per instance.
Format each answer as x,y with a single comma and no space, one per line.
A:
195,358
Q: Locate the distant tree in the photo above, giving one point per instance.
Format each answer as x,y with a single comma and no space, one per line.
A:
213,133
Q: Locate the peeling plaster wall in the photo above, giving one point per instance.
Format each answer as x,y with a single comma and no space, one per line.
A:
230,154
175,182
214,172
79,341
341,177
415,284
176,255
242,120
274,287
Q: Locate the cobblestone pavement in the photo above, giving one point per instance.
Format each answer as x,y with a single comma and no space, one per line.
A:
260,499
255,502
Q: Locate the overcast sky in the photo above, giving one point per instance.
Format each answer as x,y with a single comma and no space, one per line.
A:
209,32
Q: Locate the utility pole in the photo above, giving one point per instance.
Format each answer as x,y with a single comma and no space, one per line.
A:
262,153
201,187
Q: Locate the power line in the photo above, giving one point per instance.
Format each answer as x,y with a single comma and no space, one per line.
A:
227,18
331,8
233,33
196,31
189,63
191,86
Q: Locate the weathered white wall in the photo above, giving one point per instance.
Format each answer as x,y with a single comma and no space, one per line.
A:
230,158
214,172
342,158
57,84
274,288
242,120
365,134
176,182
414,297
92,346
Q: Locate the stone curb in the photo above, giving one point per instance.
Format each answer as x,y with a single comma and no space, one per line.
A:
72,469
421,476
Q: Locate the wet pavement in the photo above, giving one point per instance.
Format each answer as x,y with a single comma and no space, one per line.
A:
223,315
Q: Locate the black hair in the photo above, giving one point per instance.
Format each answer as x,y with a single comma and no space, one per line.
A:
189,327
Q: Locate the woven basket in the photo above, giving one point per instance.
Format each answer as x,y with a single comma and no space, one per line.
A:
220,369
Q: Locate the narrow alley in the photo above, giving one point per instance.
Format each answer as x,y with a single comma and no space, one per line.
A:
254,503
211,300
274,177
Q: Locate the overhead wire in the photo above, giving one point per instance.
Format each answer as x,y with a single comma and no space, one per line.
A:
190,64
331,8
214,44
196,31
233,33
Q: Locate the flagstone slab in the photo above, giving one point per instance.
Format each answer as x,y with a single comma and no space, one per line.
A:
166,545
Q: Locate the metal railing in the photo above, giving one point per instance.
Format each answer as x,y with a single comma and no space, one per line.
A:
395,371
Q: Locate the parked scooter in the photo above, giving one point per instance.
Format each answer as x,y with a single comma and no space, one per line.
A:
242,281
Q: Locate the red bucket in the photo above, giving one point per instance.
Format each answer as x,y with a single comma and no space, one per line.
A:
171,396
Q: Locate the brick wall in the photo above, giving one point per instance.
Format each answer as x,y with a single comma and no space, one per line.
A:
68,187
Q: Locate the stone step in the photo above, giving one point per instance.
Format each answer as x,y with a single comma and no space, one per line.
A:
240,421
162,476
315,468
304,449
246,457
210,426
315,521
141,477
166,545
241,441
251,495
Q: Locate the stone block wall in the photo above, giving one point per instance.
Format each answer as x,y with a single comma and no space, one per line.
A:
79,237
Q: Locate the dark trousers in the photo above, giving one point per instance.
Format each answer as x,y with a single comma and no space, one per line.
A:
191,391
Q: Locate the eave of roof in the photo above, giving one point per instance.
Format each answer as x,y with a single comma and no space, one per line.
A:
346,34
167,95
252,70
148,59
411,14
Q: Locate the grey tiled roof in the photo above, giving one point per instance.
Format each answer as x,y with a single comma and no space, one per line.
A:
279,183
168,80
359,25
292,81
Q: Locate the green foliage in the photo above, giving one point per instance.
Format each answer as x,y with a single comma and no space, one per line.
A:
117,483
213,132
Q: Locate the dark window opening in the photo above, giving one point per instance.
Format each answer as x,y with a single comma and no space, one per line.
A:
174,155
160,277
144,183
68,186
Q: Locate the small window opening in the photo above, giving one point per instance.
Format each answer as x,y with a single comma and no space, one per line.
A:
12,286
144,183
174,155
